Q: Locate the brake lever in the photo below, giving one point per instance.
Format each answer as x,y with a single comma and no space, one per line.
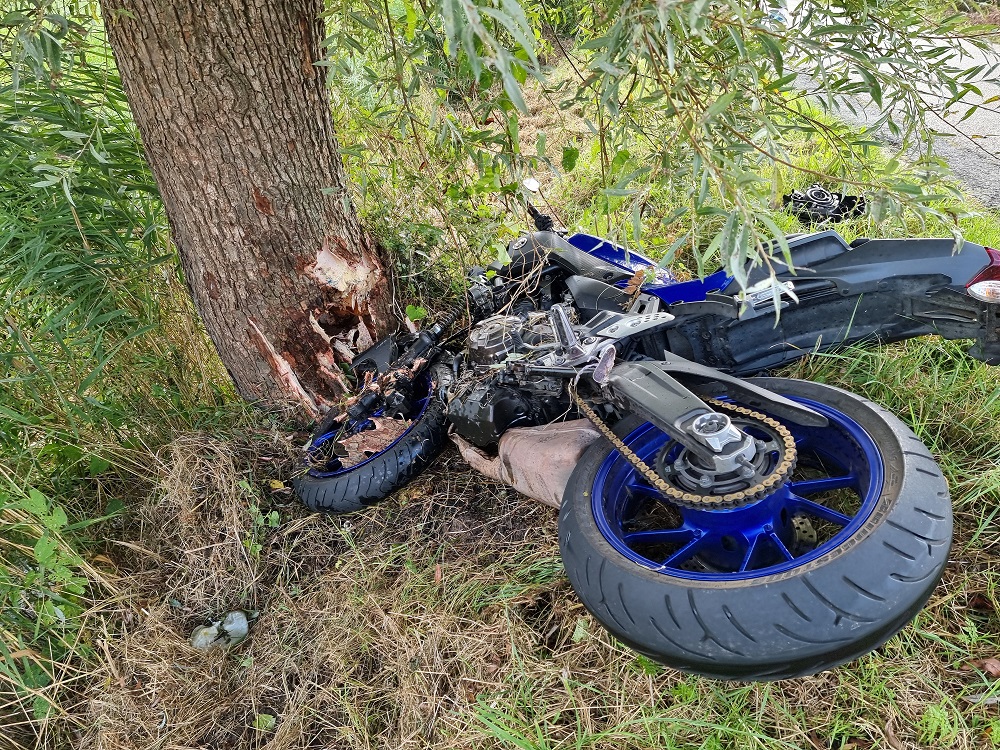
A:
543,222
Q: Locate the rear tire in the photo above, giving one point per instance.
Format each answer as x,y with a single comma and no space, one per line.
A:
808,618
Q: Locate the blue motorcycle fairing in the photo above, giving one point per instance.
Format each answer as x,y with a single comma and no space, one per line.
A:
665,286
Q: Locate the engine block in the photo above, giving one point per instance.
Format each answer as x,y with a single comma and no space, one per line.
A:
494,339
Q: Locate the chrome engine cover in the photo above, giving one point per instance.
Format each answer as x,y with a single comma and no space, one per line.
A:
492,341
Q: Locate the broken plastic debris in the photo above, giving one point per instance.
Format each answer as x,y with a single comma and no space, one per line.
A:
223,633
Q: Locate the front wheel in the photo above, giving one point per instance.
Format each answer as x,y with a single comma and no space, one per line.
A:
384,454
824,569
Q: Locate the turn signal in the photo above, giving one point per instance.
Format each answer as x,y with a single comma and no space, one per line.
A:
985,286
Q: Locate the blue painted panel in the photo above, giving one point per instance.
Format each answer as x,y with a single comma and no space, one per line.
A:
666,286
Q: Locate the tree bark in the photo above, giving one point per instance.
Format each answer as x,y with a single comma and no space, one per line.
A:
238,131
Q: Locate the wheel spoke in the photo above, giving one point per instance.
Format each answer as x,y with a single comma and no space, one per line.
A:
642,487
751,550
776,541
659,536
812,486
820,511
684,554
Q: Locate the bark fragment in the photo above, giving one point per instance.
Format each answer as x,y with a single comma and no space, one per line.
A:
282,371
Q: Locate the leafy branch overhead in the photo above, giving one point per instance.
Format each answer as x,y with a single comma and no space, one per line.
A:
705,99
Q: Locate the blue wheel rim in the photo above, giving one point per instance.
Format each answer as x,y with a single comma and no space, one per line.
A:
836,488
422,391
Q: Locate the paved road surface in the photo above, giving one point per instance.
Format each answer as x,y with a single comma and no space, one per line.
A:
972,148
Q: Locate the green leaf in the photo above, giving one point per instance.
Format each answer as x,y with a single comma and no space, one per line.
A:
570,155
41,708
618,192
35,503
264,722
676,245
97,465
14,18
45,549
414,313
503,257
411,21
56,520
780,83
74,136
695,15
846,30
647,666
719,105
520,74
778,236
511,86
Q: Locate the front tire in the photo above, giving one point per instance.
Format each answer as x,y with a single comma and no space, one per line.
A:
780,617
331,489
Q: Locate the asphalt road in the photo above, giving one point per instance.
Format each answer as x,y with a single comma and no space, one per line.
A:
971,147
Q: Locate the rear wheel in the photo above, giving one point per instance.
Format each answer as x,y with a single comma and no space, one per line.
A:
818,572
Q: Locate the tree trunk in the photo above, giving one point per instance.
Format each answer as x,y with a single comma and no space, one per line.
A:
238,131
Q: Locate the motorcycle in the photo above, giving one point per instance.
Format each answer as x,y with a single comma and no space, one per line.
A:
726,524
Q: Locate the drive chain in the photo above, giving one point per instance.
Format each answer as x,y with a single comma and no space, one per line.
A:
786,463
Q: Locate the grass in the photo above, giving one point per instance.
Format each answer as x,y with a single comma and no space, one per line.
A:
441,618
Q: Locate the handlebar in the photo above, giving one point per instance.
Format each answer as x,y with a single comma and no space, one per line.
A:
543,222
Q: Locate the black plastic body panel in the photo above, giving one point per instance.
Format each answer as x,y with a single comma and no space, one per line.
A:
377,358
591,296
556,250
876,291
826,256
807,250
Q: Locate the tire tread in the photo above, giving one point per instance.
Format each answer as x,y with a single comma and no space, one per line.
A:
384,473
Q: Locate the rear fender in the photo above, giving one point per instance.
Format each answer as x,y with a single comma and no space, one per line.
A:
867,265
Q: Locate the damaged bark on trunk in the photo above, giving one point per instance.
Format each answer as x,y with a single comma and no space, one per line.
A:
237,127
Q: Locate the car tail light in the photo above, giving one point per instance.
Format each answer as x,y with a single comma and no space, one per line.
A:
985,285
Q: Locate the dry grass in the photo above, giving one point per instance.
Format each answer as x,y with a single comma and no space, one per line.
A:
987,14
365,632
442,619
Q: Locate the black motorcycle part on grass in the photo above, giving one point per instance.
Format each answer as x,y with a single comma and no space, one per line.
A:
375,479
817,204
803,621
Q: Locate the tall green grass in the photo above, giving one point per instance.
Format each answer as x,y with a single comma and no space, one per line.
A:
99,349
